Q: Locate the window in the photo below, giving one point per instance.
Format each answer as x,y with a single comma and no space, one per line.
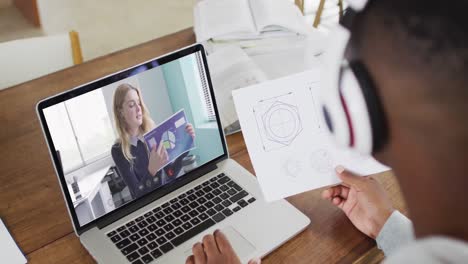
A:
208,103
91,123
81,129
63,137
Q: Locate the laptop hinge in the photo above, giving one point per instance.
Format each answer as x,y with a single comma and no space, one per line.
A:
149,198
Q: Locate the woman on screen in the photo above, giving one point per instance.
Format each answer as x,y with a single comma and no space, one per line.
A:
139,166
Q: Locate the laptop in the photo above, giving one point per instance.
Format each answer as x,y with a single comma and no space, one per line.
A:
132,203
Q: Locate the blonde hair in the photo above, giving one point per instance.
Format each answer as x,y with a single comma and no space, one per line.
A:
120,123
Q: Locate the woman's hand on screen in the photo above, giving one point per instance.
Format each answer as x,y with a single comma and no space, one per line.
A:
158,157
189,129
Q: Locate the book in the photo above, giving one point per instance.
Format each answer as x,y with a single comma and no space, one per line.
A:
247,19
172,135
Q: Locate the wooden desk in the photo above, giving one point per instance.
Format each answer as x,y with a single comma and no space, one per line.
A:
32,206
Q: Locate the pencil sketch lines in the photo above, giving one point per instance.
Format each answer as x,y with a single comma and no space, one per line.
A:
321,161
293,168
313,86
278,121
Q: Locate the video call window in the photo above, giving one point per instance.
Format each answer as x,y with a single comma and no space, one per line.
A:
121,141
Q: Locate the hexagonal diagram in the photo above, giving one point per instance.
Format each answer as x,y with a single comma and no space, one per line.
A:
279,121
282,123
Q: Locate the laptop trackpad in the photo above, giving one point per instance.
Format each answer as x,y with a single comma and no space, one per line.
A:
241,246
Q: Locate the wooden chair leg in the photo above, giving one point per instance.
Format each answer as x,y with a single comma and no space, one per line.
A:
340,5
318,14
300,4
76,47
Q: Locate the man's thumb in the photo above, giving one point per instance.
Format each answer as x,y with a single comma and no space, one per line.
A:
255,261
348,177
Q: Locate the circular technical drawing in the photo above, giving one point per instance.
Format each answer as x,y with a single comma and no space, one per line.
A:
321,161
169,140
282,123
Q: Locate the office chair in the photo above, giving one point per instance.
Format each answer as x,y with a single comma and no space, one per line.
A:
27,59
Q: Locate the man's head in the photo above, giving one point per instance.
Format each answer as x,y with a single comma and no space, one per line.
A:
417,53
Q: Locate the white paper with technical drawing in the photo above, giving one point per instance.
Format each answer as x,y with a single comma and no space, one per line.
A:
288,144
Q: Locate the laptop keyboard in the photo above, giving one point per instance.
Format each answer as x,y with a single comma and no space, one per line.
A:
156,232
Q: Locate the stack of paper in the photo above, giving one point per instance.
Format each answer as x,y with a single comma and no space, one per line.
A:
231,69
247,19
251,41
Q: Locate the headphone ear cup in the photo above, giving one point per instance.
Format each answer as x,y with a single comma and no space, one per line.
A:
372,114
330,98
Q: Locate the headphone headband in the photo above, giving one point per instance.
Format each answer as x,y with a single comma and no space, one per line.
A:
357,5
350,103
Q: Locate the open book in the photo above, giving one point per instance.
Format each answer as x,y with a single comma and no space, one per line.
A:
247,19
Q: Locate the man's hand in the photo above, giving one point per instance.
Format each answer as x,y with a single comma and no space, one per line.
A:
363,201
215,249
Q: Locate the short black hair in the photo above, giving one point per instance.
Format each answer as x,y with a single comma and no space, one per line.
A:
434,34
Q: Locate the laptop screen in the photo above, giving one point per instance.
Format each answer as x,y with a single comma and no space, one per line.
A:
141,131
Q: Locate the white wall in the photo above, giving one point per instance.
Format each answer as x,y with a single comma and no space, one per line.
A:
154,92
106,26
154,89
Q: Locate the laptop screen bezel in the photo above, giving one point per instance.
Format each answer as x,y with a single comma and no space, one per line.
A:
155,194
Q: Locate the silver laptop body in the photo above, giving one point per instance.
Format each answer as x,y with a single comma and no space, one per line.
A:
160,226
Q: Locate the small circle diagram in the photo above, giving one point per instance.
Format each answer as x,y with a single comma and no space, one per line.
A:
282,123
293,168
321,161
169,140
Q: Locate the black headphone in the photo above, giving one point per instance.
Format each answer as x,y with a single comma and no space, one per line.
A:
350,104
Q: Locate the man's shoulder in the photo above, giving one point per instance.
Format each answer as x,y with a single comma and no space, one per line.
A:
436,249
